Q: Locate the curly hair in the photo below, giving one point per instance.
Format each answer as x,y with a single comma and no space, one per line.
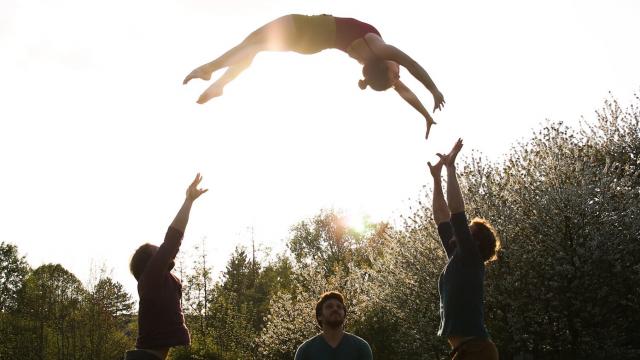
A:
324,298
486,237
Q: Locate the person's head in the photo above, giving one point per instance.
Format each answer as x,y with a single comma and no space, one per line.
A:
485,237
141,258
379,74
330,310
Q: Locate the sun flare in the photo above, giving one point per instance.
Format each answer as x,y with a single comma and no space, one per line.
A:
357,221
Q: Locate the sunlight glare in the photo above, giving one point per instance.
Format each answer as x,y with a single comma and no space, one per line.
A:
357,221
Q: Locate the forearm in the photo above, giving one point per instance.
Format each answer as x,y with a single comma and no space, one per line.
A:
421,74
182,217
440,209
411,98
417,104
454,196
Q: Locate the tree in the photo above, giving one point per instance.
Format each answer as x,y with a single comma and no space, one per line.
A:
106,313
49,302
13,270
325,240
327,256
199,292
565,203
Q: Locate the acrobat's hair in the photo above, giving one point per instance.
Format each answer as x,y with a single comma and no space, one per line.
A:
376,75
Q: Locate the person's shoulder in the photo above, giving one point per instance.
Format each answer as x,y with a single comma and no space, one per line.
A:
307,345
355,339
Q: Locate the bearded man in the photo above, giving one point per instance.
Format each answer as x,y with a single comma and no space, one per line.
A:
333,342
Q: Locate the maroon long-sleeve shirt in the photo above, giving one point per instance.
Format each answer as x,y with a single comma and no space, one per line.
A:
160,319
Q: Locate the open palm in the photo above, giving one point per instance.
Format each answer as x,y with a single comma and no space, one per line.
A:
450,158
192,191
436,169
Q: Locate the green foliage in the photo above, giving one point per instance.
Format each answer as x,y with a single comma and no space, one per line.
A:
327,256
55,317
564,202
50,302
13,270
226,321
566,206
326,241
105,318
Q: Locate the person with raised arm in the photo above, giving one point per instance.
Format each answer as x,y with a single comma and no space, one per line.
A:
161,323
468,246
311,34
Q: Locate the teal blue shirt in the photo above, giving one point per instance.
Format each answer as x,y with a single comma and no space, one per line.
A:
461,283
350,347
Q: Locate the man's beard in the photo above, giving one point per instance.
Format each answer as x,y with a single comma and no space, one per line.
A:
334,324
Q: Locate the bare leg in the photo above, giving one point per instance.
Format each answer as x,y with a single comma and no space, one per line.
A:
217,87
270,37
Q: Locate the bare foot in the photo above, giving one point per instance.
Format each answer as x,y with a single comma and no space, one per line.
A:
202,72
213,91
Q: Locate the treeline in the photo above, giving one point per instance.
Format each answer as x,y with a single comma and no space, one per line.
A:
566,204
47,313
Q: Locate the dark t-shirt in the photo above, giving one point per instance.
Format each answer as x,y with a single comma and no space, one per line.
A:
160,319
350,347
461,283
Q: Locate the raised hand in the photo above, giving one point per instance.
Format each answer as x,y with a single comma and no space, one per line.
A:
438,100
192,191
436,169
449,160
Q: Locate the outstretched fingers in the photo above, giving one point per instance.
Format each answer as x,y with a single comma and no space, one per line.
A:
196,180
438,101
450,158
193,192
457,147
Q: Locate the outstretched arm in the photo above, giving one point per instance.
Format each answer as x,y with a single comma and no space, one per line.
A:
454,196
390,52
440,210
441,213
413,100
459,222
182,217
162,261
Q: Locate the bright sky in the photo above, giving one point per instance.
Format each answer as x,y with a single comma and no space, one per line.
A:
99,139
